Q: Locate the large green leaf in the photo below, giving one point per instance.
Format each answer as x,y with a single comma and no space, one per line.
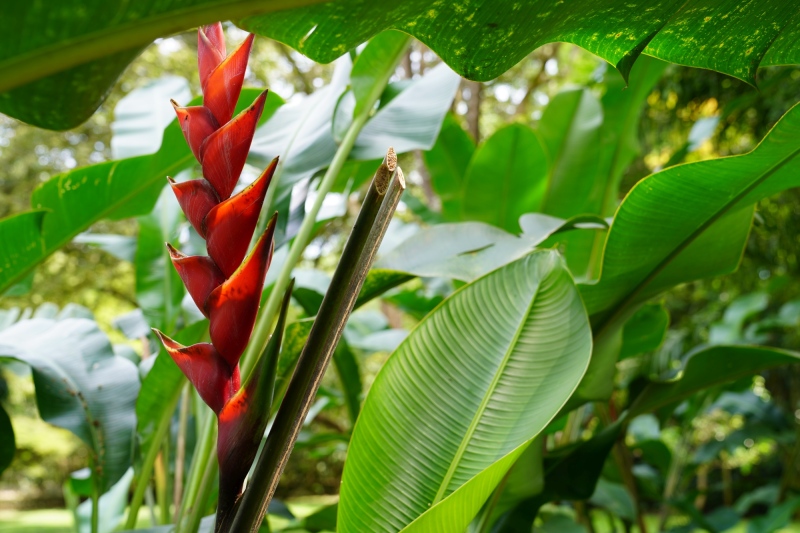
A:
570,132
81,385
506,178
57,64
462,397
690,221
77,199
708,367
447,163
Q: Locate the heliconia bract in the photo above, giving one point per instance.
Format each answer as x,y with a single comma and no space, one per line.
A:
226,285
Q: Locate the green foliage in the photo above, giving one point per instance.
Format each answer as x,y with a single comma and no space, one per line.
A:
115,190
466,423
83,387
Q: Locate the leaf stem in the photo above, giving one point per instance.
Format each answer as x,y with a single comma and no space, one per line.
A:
202,460
149,460
359,253
180,450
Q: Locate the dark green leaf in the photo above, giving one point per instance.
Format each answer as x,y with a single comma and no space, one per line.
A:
447,163
644,331
506,178
347,368
571,473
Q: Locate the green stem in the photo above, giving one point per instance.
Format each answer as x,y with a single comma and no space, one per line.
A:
202,461
180,452
356,260
268,314
150,459
201,501
95,501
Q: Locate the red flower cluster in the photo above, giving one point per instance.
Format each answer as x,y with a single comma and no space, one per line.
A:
225,285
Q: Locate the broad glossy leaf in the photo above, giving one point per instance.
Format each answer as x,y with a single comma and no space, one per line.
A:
690,221
462,397
570,132
80,386
411,120
57,65
484,38
447,163
466,250
707,367
506,178
77,199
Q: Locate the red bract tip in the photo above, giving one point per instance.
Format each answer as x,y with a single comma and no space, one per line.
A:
223,85
199,274
214,379
210,50
224,152
196,198
197,123
232,307
229,225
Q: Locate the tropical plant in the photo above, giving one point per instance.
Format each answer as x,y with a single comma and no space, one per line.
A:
541,366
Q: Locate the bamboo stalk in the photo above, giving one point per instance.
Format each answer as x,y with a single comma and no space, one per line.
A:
359,253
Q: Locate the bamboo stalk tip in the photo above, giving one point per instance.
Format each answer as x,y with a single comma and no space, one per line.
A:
391,159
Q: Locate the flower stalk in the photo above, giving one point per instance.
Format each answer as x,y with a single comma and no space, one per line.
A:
226,284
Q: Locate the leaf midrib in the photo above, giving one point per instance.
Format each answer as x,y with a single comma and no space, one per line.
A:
487,397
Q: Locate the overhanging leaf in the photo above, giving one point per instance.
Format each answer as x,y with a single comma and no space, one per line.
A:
57,65
509,350
80,386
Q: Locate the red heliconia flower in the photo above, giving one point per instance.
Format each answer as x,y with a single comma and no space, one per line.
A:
225,285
